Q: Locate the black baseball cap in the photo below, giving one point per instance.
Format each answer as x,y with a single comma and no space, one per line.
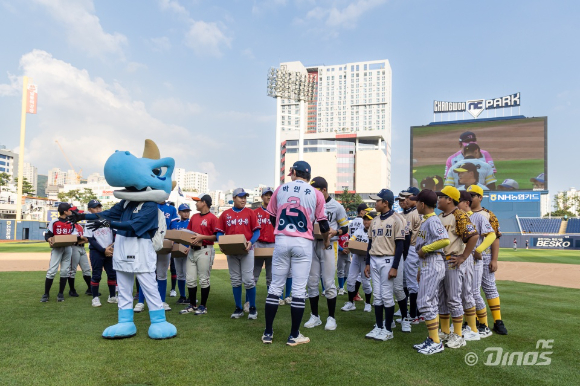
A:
94,204
301,166
471,148
385,195
426,196
319,183
468,136
362,206
64,206
464,196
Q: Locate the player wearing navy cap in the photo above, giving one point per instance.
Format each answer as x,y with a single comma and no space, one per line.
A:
101,255
180,262
385,250
235,221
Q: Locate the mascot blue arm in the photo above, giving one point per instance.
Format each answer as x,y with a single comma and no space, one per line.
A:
146,181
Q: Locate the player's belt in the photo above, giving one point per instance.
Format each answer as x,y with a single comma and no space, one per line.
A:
195,248
449,257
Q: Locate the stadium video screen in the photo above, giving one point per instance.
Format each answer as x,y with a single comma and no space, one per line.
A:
497,155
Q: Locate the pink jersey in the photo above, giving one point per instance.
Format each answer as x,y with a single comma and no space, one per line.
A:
458,157
296,206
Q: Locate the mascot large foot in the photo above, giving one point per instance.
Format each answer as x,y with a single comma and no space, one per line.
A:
160,328
124,329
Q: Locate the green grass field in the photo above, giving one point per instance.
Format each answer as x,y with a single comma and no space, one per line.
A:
60,343
520,170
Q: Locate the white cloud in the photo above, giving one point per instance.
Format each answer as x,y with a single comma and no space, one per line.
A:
171,107
14,88
83,27
206,39
134,66
92,118
262,6
173,6
160,44
338,14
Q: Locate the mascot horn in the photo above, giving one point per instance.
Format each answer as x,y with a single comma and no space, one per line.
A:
140,228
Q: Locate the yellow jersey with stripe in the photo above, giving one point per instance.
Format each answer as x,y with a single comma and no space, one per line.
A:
459,228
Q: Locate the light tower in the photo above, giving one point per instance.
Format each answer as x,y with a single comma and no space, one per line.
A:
294,85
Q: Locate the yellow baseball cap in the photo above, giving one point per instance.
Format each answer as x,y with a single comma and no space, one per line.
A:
450,192
475,189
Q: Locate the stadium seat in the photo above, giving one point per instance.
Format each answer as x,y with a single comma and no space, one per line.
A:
540,225
573,225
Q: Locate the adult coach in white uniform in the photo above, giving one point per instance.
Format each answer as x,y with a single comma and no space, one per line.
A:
294,207
324,259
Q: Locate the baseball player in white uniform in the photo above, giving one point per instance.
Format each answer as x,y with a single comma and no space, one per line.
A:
294,207
324,259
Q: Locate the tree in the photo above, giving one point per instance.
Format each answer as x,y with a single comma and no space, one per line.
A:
27,187
76,195
4,180
350,201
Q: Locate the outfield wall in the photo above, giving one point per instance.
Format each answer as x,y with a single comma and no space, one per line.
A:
540,241
26,230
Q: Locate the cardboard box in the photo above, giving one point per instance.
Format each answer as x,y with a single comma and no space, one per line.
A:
233,245
182,236
167,246
358,247
63,241
316,232
263,252
179,250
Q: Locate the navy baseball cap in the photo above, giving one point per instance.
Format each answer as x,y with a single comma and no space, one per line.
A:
301,166
267,190
468,136
362,206
183,207
385,195
64,206
94,204
410,191
240,192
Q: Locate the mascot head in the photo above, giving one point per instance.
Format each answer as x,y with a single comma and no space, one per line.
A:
144,179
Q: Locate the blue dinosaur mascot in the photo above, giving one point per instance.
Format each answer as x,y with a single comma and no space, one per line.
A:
146,182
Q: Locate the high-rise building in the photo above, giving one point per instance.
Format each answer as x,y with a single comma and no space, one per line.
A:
347,133
96,178
8,162
179,177
31,174
195,181
56,177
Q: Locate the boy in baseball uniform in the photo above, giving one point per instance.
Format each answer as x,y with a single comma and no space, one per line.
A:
490,256
462,236
294,207
431,239
385,250
184,211
79,257
412,261
235,221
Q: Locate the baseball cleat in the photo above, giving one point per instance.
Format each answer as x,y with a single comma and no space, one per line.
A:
357,298
375,331
499,328
281,302
406,325
247,307
469,335
172,294
368,307
139,307
443,337
300,339
431,348
313,321
267,338
253,313
166,307
238,313
422,344
330,324
44,298
393,325
384,335
188,310
288,300
455,341
96,302
201,310
484,331
112,300
415,320
88,292
60,298
182,300
341,291
398,313
348,306
73,294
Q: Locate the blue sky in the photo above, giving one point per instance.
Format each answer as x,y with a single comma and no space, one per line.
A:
192,74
